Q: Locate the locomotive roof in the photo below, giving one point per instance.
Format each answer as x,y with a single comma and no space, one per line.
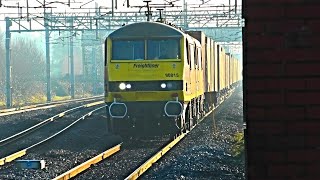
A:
146,29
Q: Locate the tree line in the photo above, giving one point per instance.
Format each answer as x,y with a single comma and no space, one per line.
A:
28,68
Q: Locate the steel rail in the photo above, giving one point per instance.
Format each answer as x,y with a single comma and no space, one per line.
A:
51,119
86,165
139,171
6,112
25,109
145,166
23,152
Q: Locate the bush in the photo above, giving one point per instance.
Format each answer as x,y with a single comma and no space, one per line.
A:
237,149
60,88
61,98
37,98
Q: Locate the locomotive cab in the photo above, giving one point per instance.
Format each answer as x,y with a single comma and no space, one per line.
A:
154,77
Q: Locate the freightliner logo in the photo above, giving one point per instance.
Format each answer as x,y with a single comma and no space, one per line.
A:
145,65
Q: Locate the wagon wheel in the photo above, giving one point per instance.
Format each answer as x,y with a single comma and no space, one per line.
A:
189,118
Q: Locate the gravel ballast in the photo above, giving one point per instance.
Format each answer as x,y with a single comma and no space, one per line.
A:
206,152
81,142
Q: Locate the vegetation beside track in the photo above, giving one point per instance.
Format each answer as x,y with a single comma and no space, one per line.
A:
238,145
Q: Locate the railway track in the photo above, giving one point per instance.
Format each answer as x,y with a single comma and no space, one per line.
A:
16,123
15,142
122,164
142,163
124,160
17,110
46,121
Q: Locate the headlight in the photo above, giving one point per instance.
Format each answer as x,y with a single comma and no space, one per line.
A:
128,86
163,85
169,85
122,86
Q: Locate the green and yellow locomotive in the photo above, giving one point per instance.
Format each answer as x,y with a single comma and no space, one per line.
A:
156,78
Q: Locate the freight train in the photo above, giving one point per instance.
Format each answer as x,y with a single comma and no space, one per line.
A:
160,79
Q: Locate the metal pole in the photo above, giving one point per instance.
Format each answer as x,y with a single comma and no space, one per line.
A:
229,7
185,16
8,65
235,6
47,58
148,12
84,76
112,8
71,60
94,69
28,11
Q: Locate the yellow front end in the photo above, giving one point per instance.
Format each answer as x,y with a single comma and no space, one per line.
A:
152,79
145,79
143,94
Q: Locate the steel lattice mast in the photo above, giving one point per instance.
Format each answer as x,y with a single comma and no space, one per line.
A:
222,23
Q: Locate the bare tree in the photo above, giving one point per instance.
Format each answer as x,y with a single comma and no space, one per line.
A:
28,69
27,60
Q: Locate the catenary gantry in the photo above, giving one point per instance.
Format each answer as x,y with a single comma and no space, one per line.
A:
224,23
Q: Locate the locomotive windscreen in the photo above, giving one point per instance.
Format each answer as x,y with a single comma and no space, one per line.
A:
163,49
128,50
155,49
